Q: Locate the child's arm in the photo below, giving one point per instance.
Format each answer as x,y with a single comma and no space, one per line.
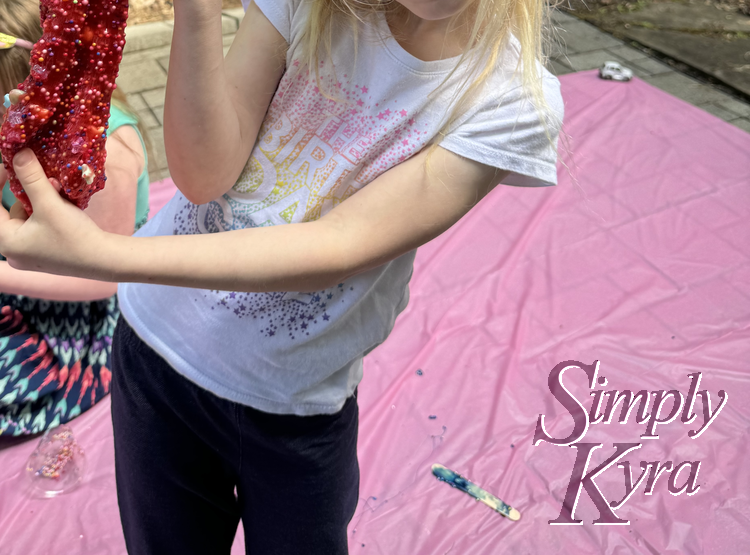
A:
214,107
397,212
113,209
51,287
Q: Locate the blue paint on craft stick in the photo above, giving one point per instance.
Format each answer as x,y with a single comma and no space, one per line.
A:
459,482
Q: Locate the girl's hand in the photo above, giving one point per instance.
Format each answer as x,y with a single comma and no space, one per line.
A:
57,238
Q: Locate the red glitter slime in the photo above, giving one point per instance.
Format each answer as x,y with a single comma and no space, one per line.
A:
64,115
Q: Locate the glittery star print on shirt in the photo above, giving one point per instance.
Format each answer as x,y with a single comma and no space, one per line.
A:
301,352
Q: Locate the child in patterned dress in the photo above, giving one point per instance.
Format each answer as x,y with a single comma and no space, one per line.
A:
56,331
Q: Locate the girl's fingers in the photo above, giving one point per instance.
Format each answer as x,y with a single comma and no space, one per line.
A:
35,183
18,212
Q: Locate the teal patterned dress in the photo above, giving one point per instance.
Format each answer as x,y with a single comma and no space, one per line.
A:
54,356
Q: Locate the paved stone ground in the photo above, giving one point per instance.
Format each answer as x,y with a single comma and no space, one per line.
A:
582,46
714,42
579,46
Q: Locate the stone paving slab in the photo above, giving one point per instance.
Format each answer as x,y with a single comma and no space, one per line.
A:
578,46
681,15
147,36
141,76
686,88
154,98
578,36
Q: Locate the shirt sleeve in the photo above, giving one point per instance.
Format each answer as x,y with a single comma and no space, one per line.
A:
506,131
280,13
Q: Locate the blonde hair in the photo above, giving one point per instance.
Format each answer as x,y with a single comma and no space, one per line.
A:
493,22
20,19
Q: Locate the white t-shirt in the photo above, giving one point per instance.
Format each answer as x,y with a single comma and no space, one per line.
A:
301,352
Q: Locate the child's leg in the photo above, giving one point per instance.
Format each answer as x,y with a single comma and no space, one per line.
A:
176,456
299,482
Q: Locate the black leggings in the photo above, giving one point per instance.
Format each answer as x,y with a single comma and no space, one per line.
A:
180,451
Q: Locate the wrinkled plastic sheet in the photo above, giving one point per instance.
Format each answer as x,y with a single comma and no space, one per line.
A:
639,259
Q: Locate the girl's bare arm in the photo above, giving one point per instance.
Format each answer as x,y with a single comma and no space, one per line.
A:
215,106
113,210
400,210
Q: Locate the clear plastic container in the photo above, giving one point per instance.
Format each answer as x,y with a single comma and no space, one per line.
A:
58,463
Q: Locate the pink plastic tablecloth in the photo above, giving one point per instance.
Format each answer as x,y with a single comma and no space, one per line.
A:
639,259
160,194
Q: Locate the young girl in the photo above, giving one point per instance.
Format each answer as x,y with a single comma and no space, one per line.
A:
55,331
333,140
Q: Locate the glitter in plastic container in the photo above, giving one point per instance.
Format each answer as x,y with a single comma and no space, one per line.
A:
57,464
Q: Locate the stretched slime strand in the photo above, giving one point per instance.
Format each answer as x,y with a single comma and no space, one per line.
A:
64,115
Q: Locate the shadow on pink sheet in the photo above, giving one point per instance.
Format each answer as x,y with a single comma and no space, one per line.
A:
639,259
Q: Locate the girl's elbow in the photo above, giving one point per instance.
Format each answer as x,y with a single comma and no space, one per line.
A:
191,189
194,196
200,189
